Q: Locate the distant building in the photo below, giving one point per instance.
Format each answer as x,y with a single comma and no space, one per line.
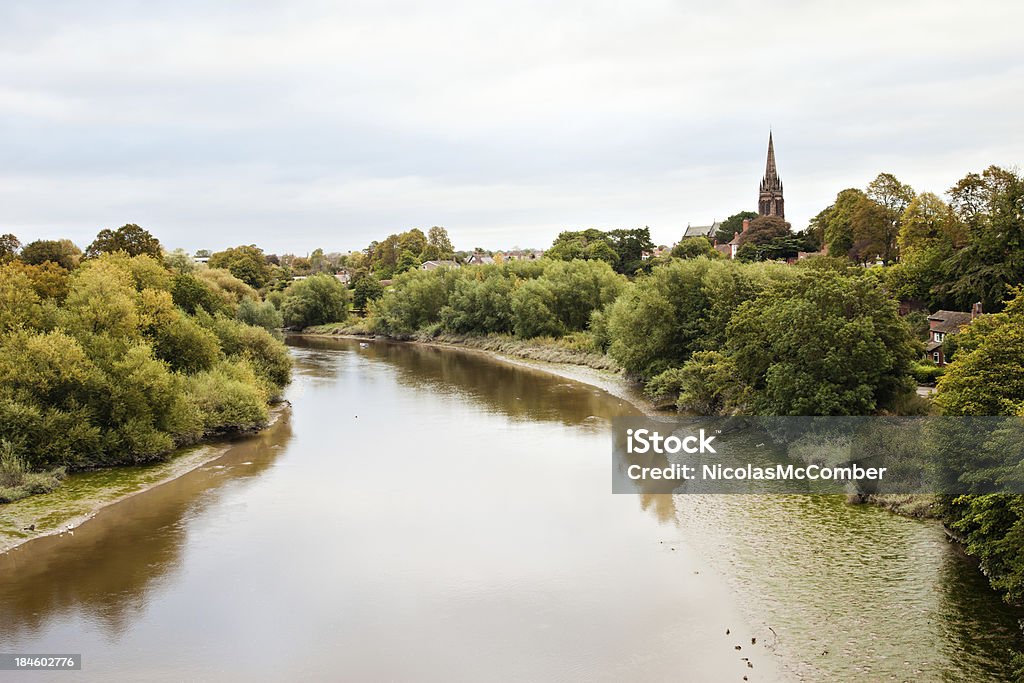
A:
729,249
769,201
431,265
344,276
479,259
941,324
521,255
707,231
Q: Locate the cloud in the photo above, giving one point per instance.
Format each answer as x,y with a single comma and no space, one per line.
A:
304,124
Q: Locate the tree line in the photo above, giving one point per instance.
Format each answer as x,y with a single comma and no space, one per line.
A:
112,356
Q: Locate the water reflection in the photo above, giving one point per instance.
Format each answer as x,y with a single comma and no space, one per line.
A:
108,567
519,392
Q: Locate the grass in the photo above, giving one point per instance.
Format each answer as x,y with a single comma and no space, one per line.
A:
17,482
919,506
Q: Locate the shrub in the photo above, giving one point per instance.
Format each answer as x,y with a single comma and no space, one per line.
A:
228,398
192,294
926,372
317,300
229,289
259,314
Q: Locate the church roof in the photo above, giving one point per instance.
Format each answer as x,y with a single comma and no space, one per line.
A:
701,230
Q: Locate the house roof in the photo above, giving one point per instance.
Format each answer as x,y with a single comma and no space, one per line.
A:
931,346
701,230
949,321
439,264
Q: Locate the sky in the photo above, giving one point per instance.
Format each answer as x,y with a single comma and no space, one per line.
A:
303,124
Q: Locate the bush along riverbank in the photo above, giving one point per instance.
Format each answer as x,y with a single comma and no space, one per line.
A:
119,359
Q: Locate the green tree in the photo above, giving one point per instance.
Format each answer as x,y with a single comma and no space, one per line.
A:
414,301
437,237
835,223
822,343
365,290
480,304
9,246
692,247
130,238
316,300
246,262
893,198
191,295
989,207
987,377
534,307
733,225
62,252
179,261
260,314
764,229
680,308
406,261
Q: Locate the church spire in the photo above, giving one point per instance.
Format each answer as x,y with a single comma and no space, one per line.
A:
770,202
770,172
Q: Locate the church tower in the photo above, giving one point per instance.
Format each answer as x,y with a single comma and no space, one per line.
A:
770,202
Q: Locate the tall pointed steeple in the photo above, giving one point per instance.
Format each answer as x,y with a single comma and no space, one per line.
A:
770,201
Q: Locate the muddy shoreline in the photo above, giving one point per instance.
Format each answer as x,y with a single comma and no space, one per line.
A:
54,513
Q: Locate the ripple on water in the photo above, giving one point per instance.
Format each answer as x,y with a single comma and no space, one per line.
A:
854,591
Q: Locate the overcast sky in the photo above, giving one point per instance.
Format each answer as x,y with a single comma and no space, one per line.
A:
301,124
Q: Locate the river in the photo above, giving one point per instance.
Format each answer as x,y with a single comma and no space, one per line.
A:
432,514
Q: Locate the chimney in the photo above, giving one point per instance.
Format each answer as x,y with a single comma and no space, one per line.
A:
975,310
746,224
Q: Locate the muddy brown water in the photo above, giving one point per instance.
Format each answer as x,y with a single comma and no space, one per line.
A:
431,514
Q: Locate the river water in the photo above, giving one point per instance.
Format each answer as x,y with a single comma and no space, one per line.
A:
431,514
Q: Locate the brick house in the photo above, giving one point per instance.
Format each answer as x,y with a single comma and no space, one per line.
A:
943,323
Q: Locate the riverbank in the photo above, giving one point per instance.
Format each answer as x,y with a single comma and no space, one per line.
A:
81,496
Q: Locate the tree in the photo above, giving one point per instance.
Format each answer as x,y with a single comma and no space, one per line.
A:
191,295
407,260
623,249
776,249
692,247
987,376
893,197
318,299
835,223
437,237
926,222
733,225
821,343
680,308
989,207
48,280
246,262
764,229
179,261
480,305
365,290
9,246
260,314
62,252
533,311
129,238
